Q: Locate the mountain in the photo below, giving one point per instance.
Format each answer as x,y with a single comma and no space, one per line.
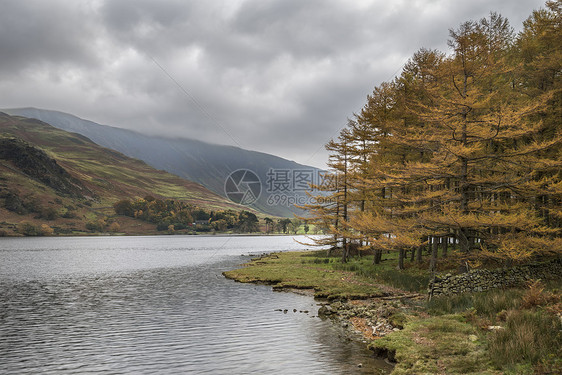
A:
36,164
46,172
280,182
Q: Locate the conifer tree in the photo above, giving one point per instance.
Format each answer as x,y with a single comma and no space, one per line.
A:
478,161
463,147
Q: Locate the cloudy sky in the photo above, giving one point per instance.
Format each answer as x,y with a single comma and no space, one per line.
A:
278,76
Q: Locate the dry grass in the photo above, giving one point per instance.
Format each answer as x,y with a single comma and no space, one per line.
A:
529,337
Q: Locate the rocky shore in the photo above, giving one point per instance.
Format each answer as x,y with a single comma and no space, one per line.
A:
372,318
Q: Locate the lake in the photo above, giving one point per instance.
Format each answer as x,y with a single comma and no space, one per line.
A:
159,304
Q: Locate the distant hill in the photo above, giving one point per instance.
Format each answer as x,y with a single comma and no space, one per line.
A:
36,164
45,171
204,163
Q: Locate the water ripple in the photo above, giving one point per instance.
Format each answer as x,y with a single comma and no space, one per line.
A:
175,315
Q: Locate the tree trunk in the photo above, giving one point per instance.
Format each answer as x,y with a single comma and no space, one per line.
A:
413,255
378,256
401,255
433,260
345,255
419,254
464,243
445,246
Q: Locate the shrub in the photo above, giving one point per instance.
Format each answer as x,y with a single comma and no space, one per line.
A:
69,215
49,213
162,226
12,202
46,230
535,295
529,336
96,226
124,207
180,226
114,227
486,303
32,204
28,229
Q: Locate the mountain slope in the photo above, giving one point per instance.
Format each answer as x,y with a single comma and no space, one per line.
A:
204,163
44,166
36,164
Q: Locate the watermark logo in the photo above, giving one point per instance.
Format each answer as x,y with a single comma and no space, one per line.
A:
283,187
290,180
243,186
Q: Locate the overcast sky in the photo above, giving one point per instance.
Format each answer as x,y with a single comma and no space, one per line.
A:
279,76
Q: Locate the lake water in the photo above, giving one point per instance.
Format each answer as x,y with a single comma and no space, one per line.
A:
158,304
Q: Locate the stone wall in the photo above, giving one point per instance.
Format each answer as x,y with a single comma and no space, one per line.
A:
481,280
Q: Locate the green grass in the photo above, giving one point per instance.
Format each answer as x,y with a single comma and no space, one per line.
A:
358,278
435,345
298,270
412,279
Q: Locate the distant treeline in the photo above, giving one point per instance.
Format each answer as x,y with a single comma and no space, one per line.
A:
172,215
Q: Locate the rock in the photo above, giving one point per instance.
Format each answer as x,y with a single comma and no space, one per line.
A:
325,310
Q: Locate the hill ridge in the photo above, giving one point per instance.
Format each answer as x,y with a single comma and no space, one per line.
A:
204,163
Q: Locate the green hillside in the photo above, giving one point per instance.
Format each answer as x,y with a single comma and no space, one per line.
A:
207,164
49,176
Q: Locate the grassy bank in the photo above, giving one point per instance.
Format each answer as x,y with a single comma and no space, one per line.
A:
328,278
517,331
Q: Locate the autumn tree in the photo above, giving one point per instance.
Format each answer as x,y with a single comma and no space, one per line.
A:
478,158
461,148
331,198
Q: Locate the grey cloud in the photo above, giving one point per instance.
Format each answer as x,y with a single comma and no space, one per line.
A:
36,33
278,76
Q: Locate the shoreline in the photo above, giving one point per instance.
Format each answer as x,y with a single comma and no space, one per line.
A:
365,317
488,332
354,311
202,234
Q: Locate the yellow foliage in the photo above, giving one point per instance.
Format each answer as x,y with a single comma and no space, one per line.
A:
114,227
46,230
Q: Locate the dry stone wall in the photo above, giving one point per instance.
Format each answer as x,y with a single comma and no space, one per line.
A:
481,280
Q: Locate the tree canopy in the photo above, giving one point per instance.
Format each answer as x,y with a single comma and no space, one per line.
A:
461,148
